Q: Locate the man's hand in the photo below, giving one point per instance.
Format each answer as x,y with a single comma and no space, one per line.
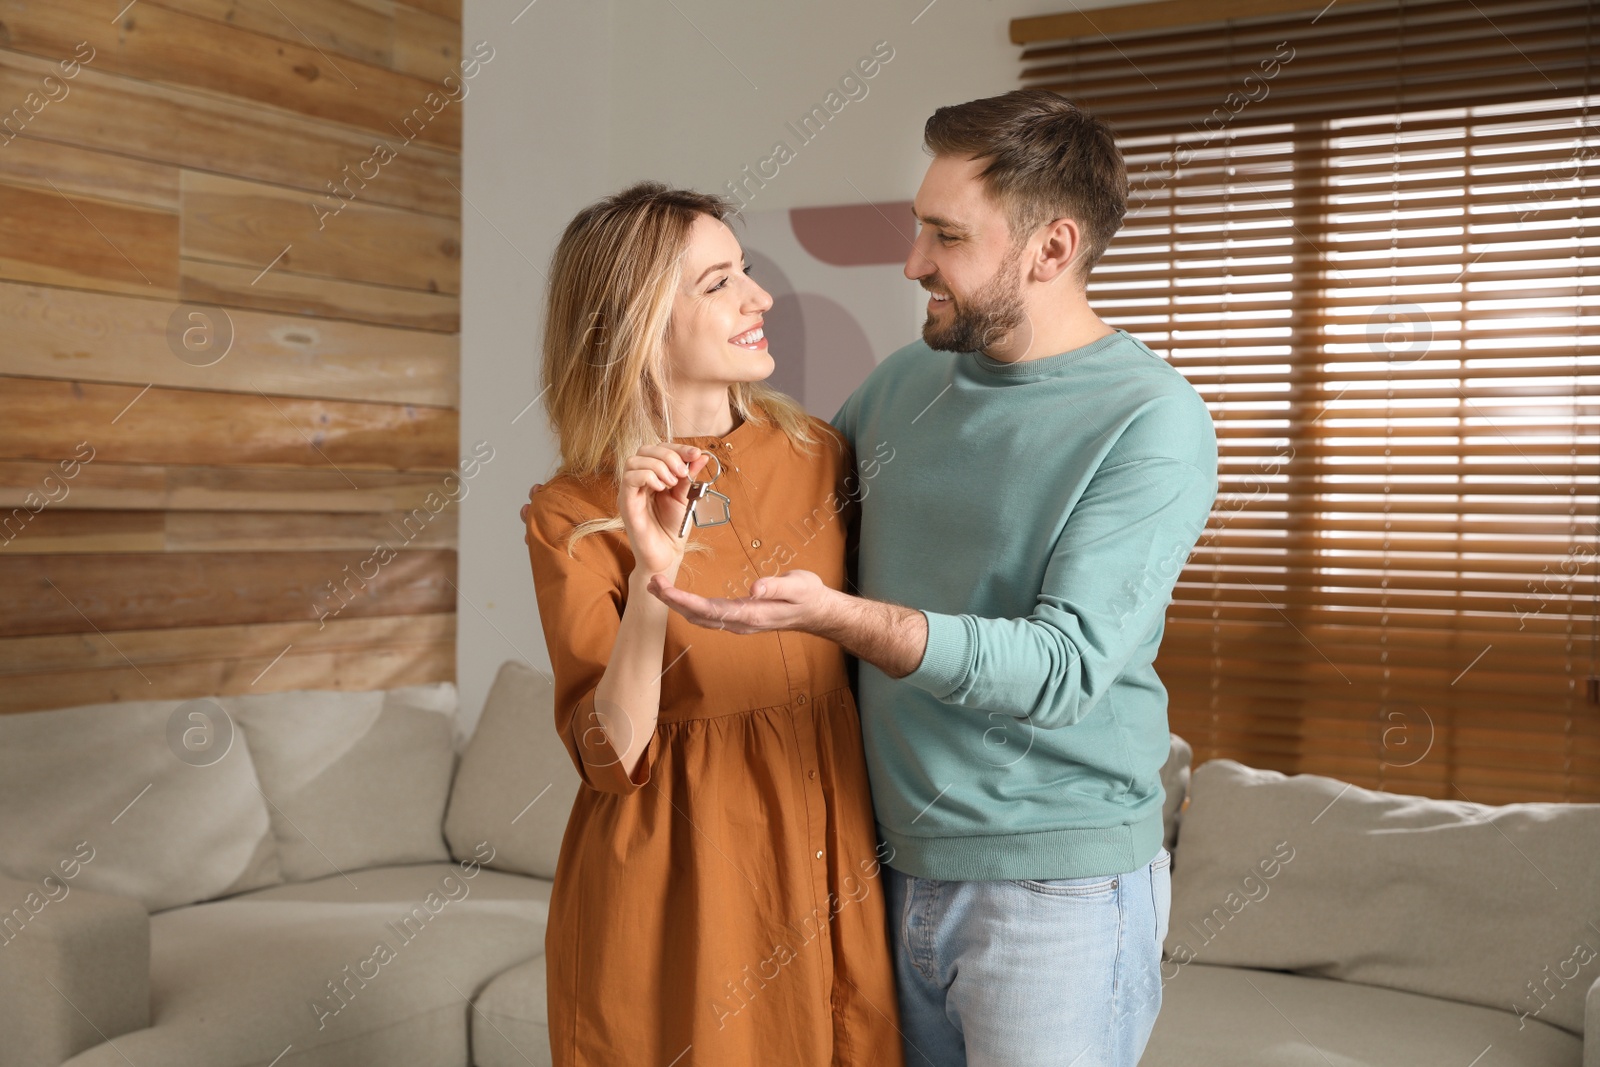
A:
794,600
888,636
524,512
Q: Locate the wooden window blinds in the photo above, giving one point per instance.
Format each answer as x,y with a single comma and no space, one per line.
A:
1362,233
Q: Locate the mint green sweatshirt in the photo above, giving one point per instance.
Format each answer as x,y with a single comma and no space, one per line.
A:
1038,513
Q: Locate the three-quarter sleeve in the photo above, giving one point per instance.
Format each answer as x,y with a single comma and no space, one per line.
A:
581,600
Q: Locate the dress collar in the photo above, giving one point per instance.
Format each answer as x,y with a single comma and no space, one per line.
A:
741,436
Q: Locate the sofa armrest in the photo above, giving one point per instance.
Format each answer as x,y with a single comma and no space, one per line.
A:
1591,1026
93,948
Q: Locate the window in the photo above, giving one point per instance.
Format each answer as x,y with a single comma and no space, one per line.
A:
1363,236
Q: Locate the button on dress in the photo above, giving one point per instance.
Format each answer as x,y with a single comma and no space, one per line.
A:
722,905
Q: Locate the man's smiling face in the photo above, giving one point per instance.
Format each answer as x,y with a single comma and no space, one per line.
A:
965,257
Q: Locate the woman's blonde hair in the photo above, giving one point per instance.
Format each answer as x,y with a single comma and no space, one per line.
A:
608,317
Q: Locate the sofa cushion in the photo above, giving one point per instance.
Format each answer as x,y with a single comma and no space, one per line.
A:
1175,784
94,949
428,1039
1481,904
516,782
297,969
1233,1017
511,1027
156,800
354,779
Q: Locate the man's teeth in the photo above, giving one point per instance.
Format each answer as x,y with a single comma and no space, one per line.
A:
940,297
750,338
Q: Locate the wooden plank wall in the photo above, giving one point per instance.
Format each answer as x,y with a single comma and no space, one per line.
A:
271,182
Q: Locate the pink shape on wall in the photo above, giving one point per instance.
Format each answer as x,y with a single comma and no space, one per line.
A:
856,235
838,356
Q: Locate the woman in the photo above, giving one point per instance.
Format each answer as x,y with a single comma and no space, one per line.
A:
717,898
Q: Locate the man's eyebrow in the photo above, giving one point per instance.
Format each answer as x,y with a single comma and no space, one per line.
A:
939,221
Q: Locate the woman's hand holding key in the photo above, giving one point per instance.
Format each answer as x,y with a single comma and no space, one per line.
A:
652,499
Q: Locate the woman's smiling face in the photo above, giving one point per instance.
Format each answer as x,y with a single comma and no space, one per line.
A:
716,334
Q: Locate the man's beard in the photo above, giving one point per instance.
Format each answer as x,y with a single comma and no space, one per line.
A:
987,318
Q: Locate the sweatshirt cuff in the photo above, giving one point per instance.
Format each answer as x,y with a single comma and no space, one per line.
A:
948,657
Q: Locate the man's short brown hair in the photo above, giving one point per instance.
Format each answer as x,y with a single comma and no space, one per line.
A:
1047,159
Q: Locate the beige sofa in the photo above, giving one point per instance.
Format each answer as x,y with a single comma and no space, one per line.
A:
1317,923
302,878
333,884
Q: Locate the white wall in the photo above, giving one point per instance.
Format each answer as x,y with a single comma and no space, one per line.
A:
585,96
710,122
535,151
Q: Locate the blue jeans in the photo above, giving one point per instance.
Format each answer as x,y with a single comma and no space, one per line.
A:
1057,973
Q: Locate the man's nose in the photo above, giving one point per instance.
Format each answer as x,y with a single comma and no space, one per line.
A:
917,265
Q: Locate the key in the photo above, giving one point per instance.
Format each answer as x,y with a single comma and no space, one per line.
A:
696,491
699,491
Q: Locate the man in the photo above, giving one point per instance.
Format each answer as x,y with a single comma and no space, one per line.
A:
1048,477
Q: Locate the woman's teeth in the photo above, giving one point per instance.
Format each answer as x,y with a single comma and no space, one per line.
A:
754,337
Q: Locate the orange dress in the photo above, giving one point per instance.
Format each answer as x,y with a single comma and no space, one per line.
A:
723,905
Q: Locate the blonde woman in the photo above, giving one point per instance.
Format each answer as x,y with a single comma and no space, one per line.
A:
717,899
